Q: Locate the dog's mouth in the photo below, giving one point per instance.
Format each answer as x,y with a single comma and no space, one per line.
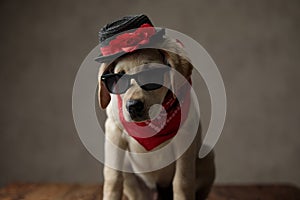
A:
147,114
139,117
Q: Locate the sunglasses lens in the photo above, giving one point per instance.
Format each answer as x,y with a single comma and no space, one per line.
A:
151,86
152,79
116,84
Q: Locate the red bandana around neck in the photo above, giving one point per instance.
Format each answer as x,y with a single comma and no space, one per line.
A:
152,133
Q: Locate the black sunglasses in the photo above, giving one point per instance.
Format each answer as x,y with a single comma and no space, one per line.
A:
151,79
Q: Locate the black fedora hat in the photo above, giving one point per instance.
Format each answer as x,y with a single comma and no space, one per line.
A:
127,35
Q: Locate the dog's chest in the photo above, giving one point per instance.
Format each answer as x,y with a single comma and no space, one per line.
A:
162,176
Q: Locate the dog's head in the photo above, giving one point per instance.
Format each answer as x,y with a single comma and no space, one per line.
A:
136,101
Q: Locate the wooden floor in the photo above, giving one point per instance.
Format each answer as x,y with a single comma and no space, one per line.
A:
22,191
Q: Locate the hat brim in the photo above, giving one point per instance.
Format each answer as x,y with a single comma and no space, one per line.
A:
155,42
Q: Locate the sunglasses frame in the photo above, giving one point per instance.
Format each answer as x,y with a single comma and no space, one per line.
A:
129,77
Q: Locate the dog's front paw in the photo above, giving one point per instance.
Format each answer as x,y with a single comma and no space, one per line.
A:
112,196
183,193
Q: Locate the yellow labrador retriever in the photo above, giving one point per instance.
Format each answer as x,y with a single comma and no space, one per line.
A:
186,178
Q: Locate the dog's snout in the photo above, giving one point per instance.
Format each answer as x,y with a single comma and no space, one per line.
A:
134,107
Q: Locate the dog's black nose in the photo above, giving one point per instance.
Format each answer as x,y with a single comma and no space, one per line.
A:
134,107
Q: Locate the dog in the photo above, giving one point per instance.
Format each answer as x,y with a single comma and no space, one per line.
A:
189,177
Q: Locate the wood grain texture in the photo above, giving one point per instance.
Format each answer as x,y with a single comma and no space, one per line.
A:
51,191
254,192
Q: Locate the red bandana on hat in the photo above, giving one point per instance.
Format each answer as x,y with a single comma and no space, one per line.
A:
129,42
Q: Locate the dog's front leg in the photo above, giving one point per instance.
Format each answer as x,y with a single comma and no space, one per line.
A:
113,179
184,179
113,184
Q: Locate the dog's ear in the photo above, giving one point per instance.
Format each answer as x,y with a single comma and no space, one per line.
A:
181,65
103,94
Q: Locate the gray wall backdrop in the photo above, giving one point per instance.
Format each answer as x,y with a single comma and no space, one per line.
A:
254,43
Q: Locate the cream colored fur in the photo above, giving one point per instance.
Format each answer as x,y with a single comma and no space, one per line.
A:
189,176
